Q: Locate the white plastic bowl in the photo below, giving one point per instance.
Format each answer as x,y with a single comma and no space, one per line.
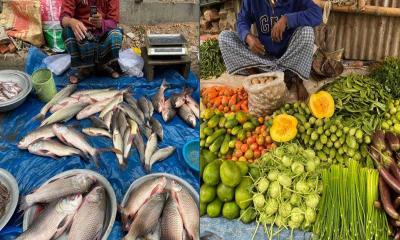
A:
23,80
10,183
111,204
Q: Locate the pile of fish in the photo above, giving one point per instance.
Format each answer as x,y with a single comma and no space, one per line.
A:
188,109
4,199
9,90
160,209
121,118
75,205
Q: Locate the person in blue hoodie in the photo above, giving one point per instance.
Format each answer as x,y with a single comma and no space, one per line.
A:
285,40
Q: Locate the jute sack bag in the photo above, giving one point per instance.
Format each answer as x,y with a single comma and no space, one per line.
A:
266,92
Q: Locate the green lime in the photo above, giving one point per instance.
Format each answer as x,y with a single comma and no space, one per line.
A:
214,208
230,210
244,169
243,197
245,183
230,174
225,193
207,193
211,173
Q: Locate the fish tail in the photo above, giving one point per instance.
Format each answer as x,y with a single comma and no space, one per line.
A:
38,117
123,165
23,205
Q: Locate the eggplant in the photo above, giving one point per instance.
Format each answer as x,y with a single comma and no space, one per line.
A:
392,141
393,168
385,199
391,181
396,203
394,223
378,140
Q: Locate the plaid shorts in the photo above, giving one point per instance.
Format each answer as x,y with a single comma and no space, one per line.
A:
297,58
91,53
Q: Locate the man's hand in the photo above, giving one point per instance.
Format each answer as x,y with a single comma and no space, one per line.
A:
78,28
255,45
96,20
278,29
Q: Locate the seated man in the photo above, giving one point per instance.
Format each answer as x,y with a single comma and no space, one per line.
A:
285,40
92,40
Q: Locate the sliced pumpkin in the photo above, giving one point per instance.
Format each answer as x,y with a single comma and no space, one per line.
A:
322,104
284,128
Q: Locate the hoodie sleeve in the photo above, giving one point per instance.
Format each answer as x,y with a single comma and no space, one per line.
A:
310,15
244,20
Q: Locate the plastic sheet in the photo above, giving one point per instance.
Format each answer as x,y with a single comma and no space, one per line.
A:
31,171
225,229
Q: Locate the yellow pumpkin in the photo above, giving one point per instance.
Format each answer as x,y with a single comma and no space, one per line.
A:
322,104
284,128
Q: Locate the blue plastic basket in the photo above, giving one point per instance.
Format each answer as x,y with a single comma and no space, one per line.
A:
191,154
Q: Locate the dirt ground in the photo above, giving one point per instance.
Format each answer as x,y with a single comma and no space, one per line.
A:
134,37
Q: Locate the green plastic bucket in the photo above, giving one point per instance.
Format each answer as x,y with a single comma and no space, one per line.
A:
44,84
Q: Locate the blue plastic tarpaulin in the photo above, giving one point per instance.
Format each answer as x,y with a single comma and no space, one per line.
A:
31,170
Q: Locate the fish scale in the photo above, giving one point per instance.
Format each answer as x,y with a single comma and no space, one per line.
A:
89,220
147,217
171,221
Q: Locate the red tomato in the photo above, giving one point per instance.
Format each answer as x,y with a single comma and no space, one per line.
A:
238,153
254,146
257,154
249,154
268,140
238,144
244,147
260,140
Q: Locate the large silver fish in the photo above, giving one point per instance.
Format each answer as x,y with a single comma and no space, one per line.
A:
157,128
147,217
193,105
64,114
139,143
66,102
42,133
99,96
122,122
53,149
171,221
119,145
151,147
93,109
58,188
107,119
159,155
188,210
89,92
144,106
134,105
54,220
111,105
96,132
138,197
158,99
128,110
128,140
178,100
187,115
72,137
145,130
151,108
89,220
63,93
167,111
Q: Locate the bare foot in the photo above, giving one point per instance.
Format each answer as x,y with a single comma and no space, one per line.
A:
302,93
79,75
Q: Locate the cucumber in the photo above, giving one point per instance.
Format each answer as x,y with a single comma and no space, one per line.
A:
231,123
215,135
222,122
225,145
208,131
213,122
216,145
235,130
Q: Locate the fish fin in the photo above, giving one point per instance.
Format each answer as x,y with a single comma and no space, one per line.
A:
38,117
98,234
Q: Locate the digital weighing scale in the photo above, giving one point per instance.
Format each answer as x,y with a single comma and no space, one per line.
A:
165,50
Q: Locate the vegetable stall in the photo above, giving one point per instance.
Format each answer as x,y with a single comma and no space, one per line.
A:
326,168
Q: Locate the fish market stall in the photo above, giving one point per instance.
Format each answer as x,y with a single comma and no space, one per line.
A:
102,151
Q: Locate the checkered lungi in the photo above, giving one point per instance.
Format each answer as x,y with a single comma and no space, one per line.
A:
91,53
297,58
